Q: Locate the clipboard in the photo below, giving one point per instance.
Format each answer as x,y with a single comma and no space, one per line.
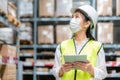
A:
74,58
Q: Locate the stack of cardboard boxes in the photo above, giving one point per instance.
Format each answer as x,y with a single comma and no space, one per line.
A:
45,63
104,7
7,35
3,6
105,32
118,7
45,34
46,8
62,33
26,8
27,52
117,52
8,62
12,9
8,72
26,31
63,8
8,50
8,10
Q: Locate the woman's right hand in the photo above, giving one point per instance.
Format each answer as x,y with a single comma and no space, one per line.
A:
65,68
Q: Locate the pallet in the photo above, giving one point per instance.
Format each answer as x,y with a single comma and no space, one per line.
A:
46,16
3,13
2,25
62,16
13,20
105,15
26,16
26,42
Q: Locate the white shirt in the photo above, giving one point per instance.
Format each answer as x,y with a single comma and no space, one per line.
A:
100,71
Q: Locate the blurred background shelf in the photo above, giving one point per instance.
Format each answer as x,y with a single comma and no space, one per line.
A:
44,24
108,18
7,23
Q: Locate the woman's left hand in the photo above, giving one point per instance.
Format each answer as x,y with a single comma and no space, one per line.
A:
85,66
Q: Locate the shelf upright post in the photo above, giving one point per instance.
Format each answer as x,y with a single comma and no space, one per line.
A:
19,66
93,3
35,36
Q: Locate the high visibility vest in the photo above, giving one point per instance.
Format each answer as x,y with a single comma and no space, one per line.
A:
91,49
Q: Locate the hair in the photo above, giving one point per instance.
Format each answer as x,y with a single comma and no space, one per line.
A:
88,32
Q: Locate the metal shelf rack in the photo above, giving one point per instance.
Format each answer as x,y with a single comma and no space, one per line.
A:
35,20
4,21
7,23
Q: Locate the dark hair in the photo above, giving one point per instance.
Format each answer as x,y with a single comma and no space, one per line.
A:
88,32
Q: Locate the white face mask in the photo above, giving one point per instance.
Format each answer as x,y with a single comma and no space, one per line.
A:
75,25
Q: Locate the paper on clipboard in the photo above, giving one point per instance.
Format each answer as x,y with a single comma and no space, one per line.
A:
74,58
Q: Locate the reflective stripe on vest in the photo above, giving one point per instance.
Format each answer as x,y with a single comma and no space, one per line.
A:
90,49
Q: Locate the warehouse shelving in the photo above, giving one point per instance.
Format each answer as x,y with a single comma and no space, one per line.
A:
27,19
43,73
4,20
53,46
26,55
114,46
108,18
7,23
26,46
35,46
28,73
46,19
112,54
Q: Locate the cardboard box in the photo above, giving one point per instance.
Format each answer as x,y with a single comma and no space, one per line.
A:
28,51
47,52
12,9
3,6
104,7
117,59
42,69
46,8
62,33
1,24
63,8
26,31
7,50
29,60
77,3
26,8
105,32
117,52
7,35
45,34
8,72
118,7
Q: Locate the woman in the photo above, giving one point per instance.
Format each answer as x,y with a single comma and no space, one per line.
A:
83,20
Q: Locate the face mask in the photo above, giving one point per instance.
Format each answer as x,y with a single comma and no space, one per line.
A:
75,25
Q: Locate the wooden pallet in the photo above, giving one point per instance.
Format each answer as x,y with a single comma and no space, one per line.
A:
47,16
2,25
13,20
26,42
62,16
3,13
27,16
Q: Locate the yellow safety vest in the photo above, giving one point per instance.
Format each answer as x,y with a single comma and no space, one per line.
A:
91,49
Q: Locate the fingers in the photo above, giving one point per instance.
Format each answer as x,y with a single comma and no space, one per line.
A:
67,67
82,65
